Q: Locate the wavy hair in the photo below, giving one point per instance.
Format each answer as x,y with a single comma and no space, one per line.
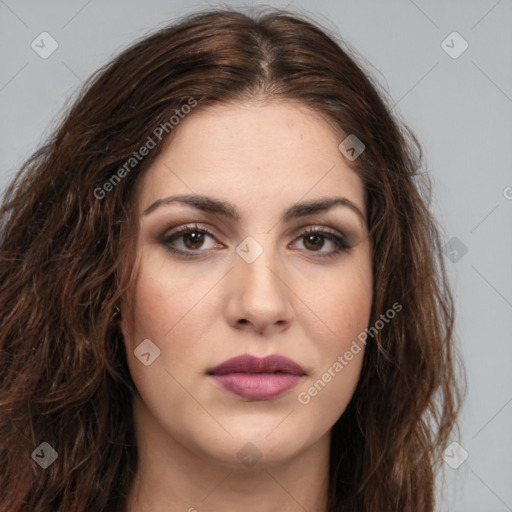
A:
67,259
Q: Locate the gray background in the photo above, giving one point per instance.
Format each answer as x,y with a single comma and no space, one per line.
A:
460,108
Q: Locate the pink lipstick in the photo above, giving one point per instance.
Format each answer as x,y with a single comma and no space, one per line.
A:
254,378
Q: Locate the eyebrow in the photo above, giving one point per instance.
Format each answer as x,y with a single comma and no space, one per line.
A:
217,206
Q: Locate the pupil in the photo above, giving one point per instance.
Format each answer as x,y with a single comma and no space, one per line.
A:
196,240
316,240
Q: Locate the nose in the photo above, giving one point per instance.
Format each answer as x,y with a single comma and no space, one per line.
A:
259,298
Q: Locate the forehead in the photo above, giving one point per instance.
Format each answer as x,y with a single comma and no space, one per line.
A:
258,154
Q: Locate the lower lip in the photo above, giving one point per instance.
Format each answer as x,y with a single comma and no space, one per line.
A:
257,386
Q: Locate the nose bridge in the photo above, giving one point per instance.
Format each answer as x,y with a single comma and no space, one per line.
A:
256,264
258,293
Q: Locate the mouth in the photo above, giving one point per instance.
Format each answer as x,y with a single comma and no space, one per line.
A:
254,378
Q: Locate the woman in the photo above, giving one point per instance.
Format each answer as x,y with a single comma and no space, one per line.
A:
223,289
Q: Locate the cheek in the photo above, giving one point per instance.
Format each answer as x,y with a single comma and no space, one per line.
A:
164,308
165,301
343,301
325,396
327,392
344,307
175,311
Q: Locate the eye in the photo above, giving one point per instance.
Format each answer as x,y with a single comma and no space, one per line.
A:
189,239
314,240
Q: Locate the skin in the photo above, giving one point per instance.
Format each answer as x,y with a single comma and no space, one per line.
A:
262,156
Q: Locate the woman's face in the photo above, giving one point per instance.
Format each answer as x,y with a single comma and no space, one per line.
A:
256,283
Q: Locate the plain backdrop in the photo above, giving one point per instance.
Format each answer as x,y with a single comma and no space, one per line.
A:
457,100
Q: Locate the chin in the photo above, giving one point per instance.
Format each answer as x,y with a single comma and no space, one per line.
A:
253,448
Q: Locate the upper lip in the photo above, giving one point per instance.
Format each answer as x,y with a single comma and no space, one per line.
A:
251,364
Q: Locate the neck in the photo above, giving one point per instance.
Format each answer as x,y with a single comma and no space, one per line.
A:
173,477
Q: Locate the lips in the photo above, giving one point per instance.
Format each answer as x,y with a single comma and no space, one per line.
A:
254,378
251,364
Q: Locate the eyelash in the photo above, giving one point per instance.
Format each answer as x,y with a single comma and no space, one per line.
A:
341,243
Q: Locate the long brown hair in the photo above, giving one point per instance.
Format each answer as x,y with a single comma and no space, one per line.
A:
67,255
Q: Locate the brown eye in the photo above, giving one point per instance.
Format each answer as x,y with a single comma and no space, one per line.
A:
189,241
193,240
314,242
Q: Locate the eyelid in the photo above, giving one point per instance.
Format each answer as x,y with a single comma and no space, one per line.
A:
338,238
298,232
335,236
175,228
186,228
